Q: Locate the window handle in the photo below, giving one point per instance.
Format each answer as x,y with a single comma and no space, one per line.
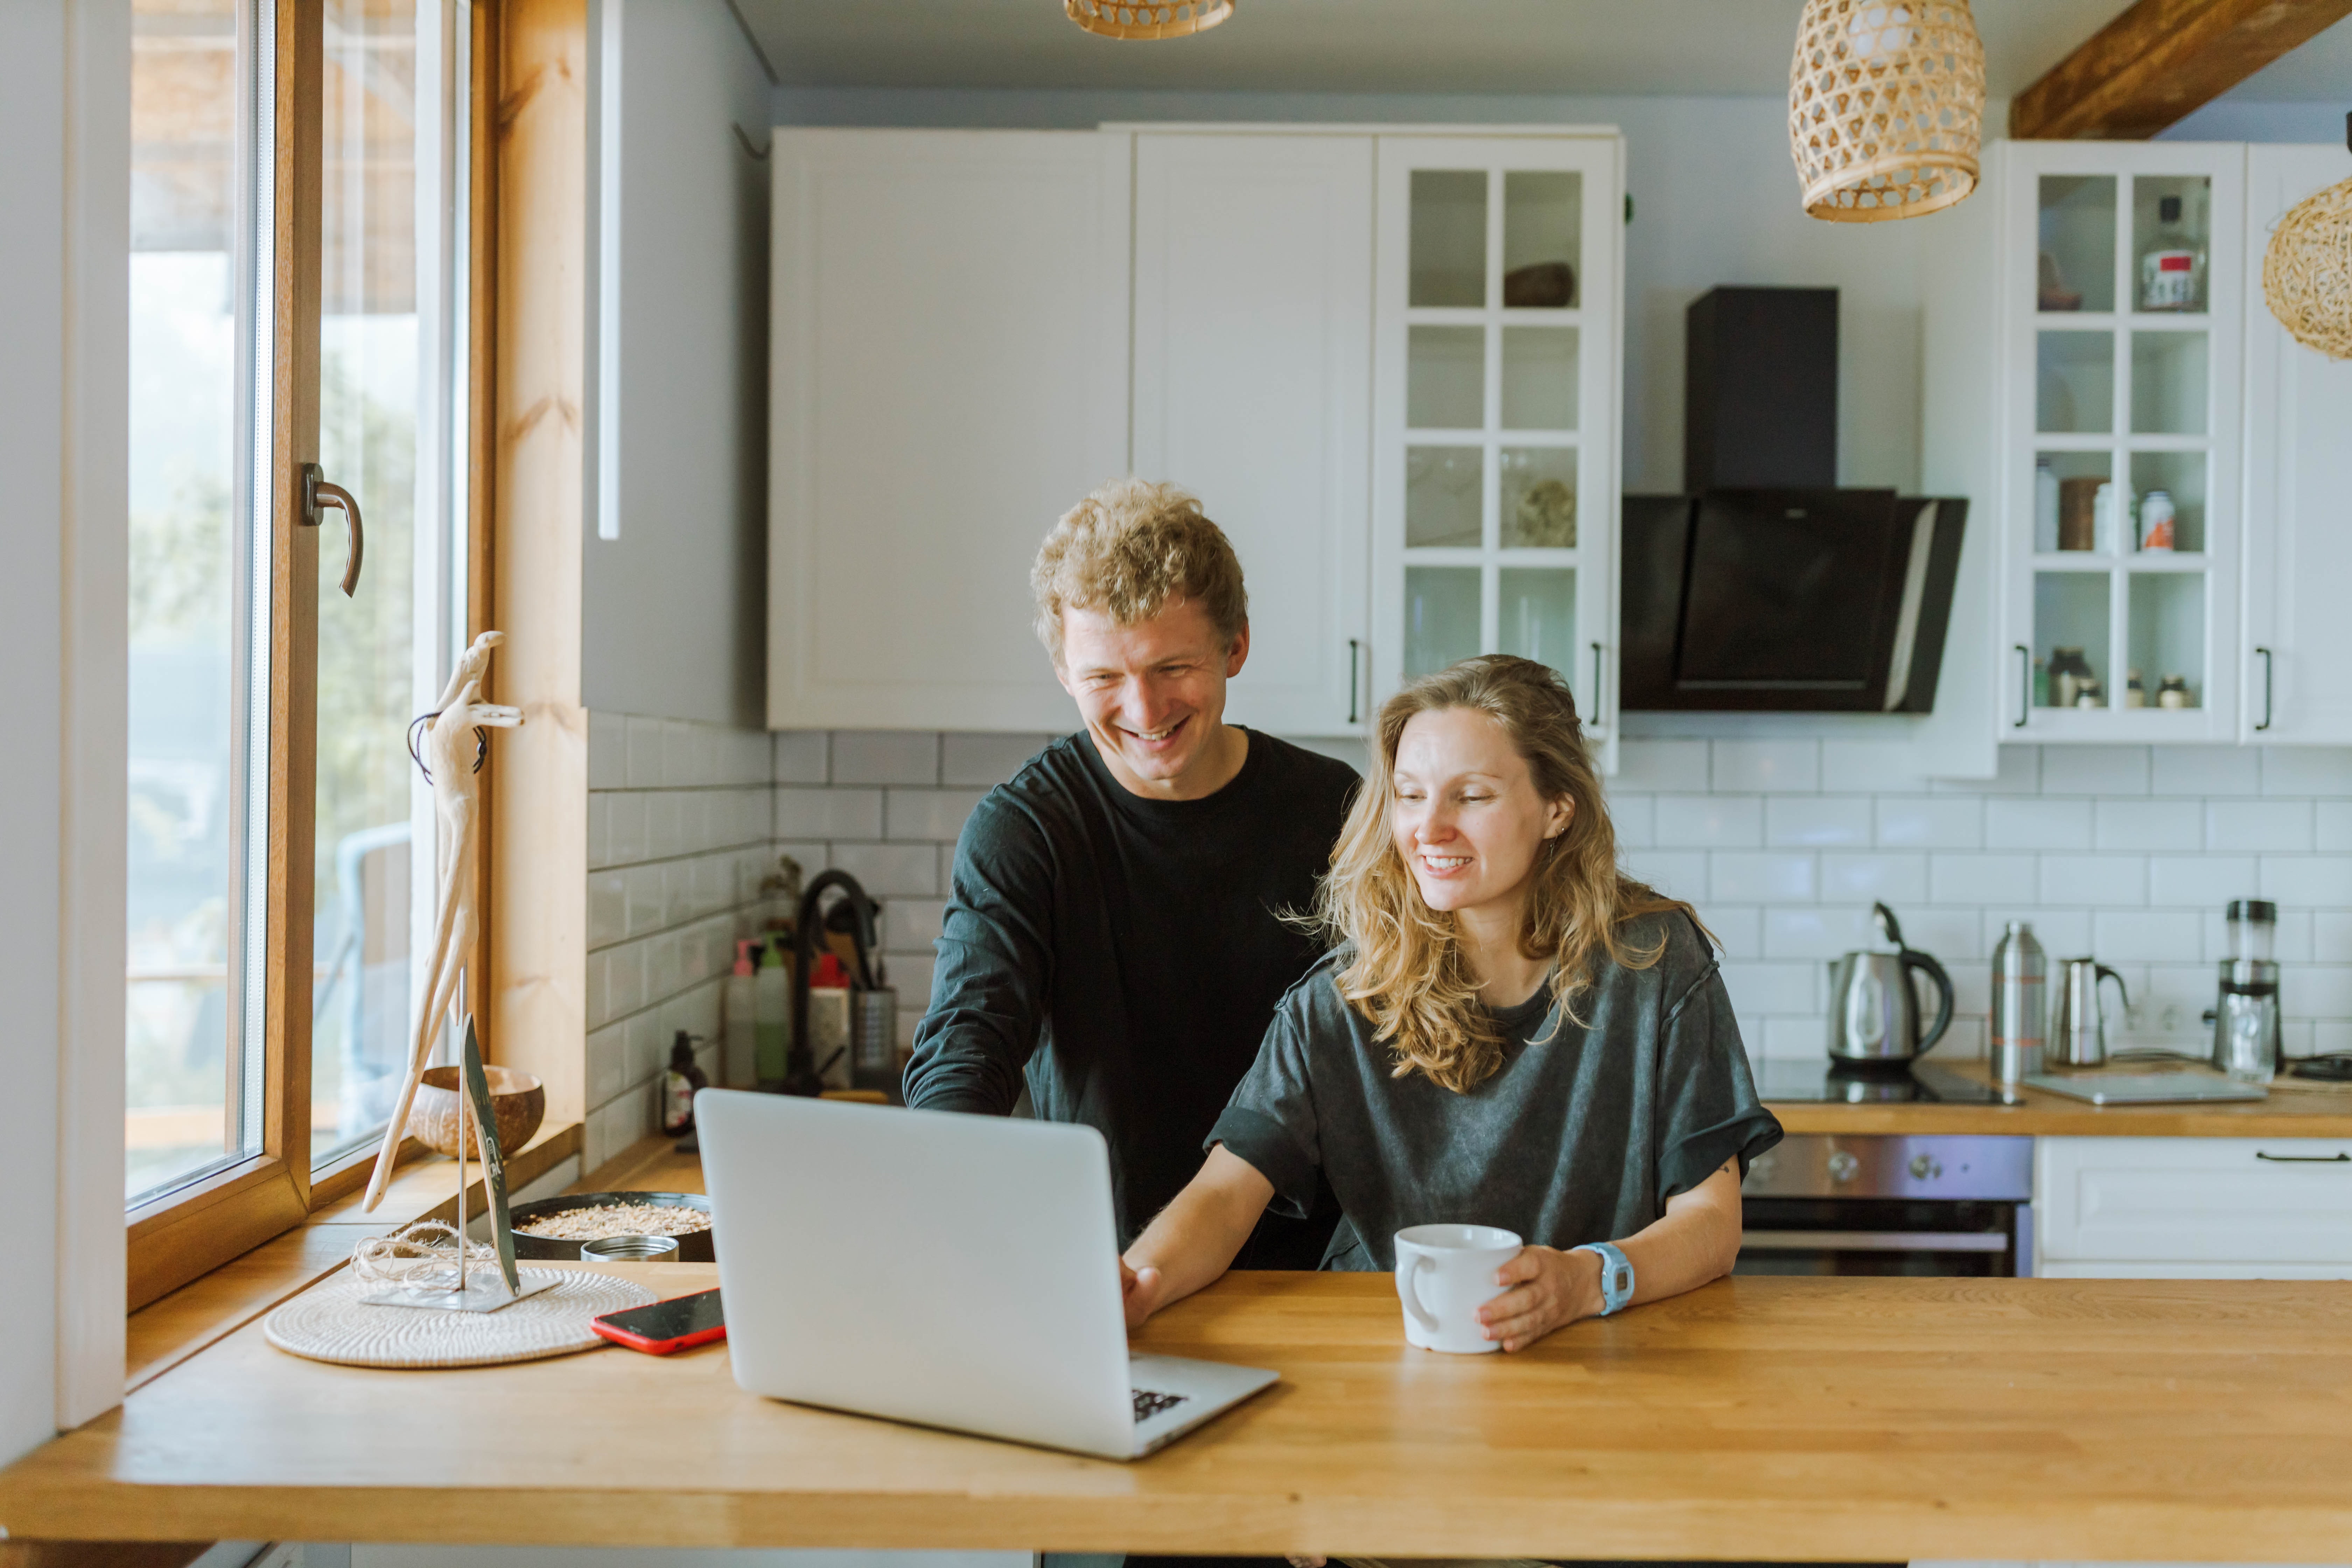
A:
317,492
2266,689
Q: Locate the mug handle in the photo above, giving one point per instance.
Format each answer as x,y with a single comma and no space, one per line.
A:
1407,1269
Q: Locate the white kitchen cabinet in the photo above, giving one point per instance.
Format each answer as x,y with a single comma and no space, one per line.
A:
2297,669
2106,382
2230,1208
1495,398
948,373
1252,367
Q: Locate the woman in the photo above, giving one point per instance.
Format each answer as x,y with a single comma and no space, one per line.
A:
1509,1032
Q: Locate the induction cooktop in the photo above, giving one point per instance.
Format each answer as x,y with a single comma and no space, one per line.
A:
1824,1082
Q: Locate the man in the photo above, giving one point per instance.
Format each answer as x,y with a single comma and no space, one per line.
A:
1115,928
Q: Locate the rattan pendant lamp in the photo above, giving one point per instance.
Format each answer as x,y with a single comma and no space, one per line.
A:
2308,271
1885,107
1147,19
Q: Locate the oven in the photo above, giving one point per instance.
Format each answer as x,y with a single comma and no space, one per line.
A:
1822,1204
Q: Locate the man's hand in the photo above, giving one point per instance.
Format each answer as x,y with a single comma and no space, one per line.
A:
1549,1289
1142,1288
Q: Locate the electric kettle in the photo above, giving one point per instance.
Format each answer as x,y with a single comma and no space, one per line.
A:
1873,1008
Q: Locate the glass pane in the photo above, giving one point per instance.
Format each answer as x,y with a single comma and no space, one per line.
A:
2168,383
1538,498
1441,616
368,789
2173,482
2070,639
1543,239
193,1047
2172,223
2074,383
1445,380
2077,267
1442,494
1540,378
1449,237
2168,637
1538,616
2068,506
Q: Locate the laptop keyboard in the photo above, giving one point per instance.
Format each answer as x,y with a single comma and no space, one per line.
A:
1148,1405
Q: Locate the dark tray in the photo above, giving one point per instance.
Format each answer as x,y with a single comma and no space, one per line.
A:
693,1248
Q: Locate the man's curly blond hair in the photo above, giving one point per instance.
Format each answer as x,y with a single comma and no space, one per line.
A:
1130,549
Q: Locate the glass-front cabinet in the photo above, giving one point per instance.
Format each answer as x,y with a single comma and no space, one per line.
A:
1495,408
2123,291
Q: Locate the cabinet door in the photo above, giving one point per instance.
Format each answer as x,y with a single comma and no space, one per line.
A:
1496,388
948,375
1252,361
2298,671
2174,1206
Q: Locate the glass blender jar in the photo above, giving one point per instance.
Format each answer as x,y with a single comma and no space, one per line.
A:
2246,1014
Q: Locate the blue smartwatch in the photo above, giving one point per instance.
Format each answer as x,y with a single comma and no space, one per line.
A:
1616,1275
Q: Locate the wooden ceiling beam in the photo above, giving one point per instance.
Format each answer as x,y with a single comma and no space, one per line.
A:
2158,61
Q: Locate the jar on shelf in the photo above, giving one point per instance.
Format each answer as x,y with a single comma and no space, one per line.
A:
2155,520
2045,506
2068,672
2172,269
2135,694
2172,691
2089,694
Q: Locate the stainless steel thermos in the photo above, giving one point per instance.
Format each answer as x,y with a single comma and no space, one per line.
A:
2020,1004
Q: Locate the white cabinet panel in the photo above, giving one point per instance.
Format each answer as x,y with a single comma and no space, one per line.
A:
2176,1204
948,373
2298,669
1252,361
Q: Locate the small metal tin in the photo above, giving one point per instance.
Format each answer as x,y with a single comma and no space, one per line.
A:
630,1249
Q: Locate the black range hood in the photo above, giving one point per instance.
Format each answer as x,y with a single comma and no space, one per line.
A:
1767,587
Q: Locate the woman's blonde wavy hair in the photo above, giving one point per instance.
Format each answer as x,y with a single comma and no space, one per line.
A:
1407,972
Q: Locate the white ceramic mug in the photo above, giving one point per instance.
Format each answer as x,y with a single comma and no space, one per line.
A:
1444,1273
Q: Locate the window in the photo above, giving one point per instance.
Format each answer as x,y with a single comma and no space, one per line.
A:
280,842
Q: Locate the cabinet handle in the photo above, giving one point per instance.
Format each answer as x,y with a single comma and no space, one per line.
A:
1596,685
2305,1159
2266,689
2024,686
1354,647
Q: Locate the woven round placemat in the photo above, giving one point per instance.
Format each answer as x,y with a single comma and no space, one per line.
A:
328,1322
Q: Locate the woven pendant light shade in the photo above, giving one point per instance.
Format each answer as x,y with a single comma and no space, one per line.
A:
1885,107
2307,271
1154,20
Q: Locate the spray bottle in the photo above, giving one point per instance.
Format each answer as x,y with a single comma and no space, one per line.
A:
773,1009
738,1061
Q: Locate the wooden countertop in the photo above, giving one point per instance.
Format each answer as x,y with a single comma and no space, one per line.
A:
2296,1108
1812,1419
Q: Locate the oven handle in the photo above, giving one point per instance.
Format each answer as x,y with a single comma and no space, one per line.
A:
1874,1241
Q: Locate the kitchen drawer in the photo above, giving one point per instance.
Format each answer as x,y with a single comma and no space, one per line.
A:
2178,1201
2176,1269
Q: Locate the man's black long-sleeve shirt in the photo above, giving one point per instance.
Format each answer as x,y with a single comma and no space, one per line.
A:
1126,954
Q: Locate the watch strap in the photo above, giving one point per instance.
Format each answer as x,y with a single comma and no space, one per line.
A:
1616,1275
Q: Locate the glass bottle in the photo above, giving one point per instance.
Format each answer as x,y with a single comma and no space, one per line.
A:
2172,269
2045,506
2069,670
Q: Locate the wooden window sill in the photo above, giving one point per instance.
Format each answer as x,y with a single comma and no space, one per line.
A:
168,1331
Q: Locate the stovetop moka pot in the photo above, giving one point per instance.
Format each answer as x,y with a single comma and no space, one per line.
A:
1874,1007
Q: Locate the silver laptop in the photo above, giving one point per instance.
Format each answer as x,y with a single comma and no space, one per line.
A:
957,1271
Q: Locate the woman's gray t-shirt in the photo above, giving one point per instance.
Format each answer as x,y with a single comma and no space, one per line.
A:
1582,1135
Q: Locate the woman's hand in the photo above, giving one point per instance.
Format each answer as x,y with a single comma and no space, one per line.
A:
1548,1289
1142,1289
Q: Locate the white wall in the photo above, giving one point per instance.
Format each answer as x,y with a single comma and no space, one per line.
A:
64,187
674,614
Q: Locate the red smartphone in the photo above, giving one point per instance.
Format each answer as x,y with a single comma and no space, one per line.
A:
679,1323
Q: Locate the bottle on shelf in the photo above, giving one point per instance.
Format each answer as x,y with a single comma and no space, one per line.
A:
828,1019
2172,269
2135,694
2045,506
2155,520
2089,694
2172,691
680,1081
773,1004
2069,670
739,1059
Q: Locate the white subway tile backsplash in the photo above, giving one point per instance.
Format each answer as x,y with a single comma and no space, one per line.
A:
1900,879
828,813
608,908
1709,822
2205,771
2018,773
643,748
2317,991
1649,766
1749,877
986,760
2061,932
801,756
599,837
2334,827
2173,825
2307,770
2199,879
2095,770
1794,1039
1817,821
1759,990
2100,880
884,870
1930,822
1634,819
937,814
2322,881
2037,823
911,925
1958,878
2141,936
2331,937
644,900
885,757
1677,873
1956,936
608,751
624,827
665,834
1792,932
1768,766
1877,765
625,979
1737,930
2273,825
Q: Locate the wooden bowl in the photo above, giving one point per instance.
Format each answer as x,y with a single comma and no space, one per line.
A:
518,1100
